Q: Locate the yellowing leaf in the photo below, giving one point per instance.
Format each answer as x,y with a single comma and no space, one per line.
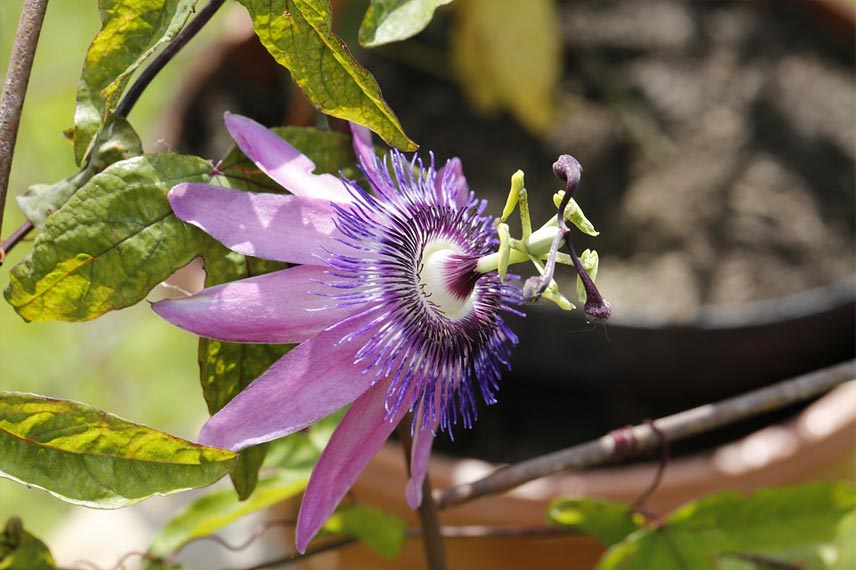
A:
131,31
85,456
507,55
113,241
298,34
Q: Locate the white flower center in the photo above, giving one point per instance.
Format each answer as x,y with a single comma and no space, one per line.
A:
435,281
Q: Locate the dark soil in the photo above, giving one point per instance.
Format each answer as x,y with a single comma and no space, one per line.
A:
717,141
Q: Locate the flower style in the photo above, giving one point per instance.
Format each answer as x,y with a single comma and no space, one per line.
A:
387,303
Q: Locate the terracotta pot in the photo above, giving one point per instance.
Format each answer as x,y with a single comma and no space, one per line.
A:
817,444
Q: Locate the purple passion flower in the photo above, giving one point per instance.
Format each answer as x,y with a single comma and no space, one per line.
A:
385,300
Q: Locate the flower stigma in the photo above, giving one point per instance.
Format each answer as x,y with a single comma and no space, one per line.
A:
541,247
447,280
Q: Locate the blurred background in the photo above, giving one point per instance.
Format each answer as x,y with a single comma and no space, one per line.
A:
718,140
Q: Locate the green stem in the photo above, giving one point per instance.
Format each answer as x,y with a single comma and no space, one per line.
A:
537,245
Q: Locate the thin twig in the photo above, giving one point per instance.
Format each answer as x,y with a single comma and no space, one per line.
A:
19,234
237,547
451,532
15,87
766,562
296,556
639,505
675,427
435,553
484,532
172,48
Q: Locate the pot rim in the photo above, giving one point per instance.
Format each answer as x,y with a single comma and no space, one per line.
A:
838,295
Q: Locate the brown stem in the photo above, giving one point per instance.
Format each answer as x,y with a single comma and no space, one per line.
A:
15,88
675,427
639,505
297,557
435,552
10,242
478,531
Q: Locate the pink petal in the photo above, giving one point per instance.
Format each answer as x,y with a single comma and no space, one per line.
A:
365,151
286,306
312,381
457,182
271,226
361,433
282,162
420,454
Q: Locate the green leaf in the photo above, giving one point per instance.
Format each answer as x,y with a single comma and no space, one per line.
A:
290,463
42,200
88,457
113,241
507,55
388,21
131,31
20,550
212,512
844,547
118,141
384,533
609,521
287,468
701,533
298,35
217,510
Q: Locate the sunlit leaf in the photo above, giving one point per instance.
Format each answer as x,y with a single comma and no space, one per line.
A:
131,31
298,35
704,532
113,241
507,55
609,521
88,457
384,533
20,550
388,21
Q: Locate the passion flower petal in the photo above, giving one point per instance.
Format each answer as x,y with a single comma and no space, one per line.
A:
312,381
271,226
362,431
283,307
286,165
